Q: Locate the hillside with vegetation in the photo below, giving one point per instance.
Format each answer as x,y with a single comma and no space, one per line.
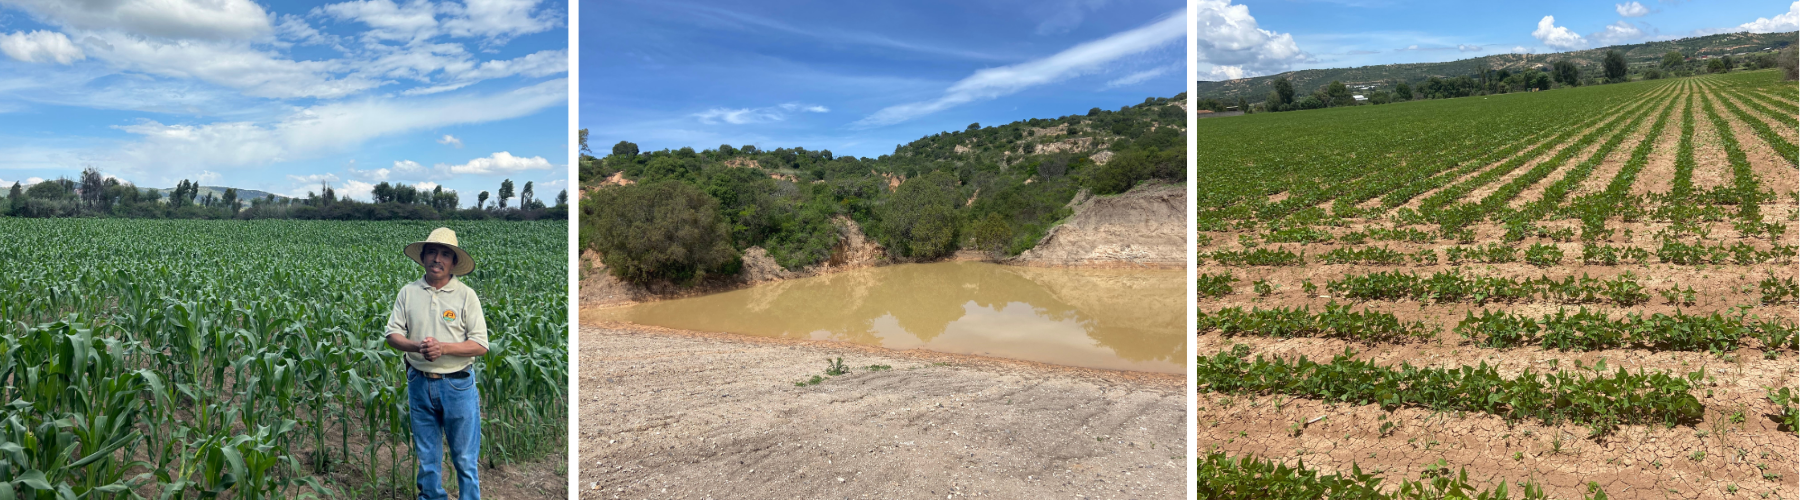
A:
1696,53
682,215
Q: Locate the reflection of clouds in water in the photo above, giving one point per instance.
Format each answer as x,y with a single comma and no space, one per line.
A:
1121,319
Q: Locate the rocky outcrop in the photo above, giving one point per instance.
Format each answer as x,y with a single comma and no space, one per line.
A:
1145,227
854,250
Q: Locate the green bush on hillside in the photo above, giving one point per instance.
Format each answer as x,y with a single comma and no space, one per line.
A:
663,231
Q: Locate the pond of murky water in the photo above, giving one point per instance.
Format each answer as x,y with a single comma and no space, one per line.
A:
1112,319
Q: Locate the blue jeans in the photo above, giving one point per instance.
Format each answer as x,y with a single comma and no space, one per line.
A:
445,409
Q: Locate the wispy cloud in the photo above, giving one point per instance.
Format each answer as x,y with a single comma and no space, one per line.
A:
1617,33
742,116
995,82
311,132
1141,76
862,37
451,140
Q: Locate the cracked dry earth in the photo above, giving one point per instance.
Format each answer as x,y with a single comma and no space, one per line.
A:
681,414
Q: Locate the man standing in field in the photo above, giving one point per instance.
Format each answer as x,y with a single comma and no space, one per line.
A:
437,322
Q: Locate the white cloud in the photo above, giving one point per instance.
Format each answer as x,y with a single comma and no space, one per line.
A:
1786,21
810,108
995,82
202,19
463,72
501,162
207,176
501,19
1520,49
1228,36
1468,48
408,167
356,189
309,132
1557,37
451,140
379,174
1631,9
742,116
417,20
425,186
737,116
294,28
1140,76
1617,33
231,64
40,46
1221,73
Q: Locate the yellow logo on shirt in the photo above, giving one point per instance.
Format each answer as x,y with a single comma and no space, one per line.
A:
449,315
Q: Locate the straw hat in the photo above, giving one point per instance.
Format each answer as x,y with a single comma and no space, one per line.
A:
446,237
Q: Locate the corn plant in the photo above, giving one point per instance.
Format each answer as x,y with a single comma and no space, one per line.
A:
244,359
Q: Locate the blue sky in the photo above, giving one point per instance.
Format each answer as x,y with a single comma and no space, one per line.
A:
1243,38
861,77
283,96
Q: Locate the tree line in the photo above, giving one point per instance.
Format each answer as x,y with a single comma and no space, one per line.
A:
96,195
1560,74
681,215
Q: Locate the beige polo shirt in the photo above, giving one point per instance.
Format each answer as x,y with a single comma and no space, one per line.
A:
450,314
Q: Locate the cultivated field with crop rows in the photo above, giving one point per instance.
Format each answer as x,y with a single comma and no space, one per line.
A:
1561,293
183,359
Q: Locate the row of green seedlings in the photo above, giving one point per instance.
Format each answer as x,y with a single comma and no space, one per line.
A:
1582,330
1587,395
1305,235
1776,290
1222,477
1454,286
1586,330
1336,321
1782,147
1541,255
835,367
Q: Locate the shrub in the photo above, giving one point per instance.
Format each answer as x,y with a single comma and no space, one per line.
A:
660,231
919,220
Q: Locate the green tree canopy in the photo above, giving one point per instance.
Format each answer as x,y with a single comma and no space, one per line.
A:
661,231
919,220
1566,73
1673,60
1614,64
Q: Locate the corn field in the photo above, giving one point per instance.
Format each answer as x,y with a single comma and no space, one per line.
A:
184,359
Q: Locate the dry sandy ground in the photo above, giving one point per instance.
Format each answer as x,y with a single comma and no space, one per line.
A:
679,414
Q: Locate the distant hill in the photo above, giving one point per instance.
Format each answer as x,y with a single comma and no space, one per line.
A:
1256,88
219,192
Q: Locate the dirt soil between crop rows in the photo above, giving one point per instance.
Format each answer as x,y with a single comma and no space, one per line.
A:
681,414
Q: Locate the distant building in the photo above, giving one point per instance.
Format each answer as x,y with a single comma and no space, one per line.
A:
1359,98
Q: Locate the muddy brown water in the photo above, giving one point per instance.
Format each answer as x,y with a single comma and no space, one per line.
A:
1119,319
